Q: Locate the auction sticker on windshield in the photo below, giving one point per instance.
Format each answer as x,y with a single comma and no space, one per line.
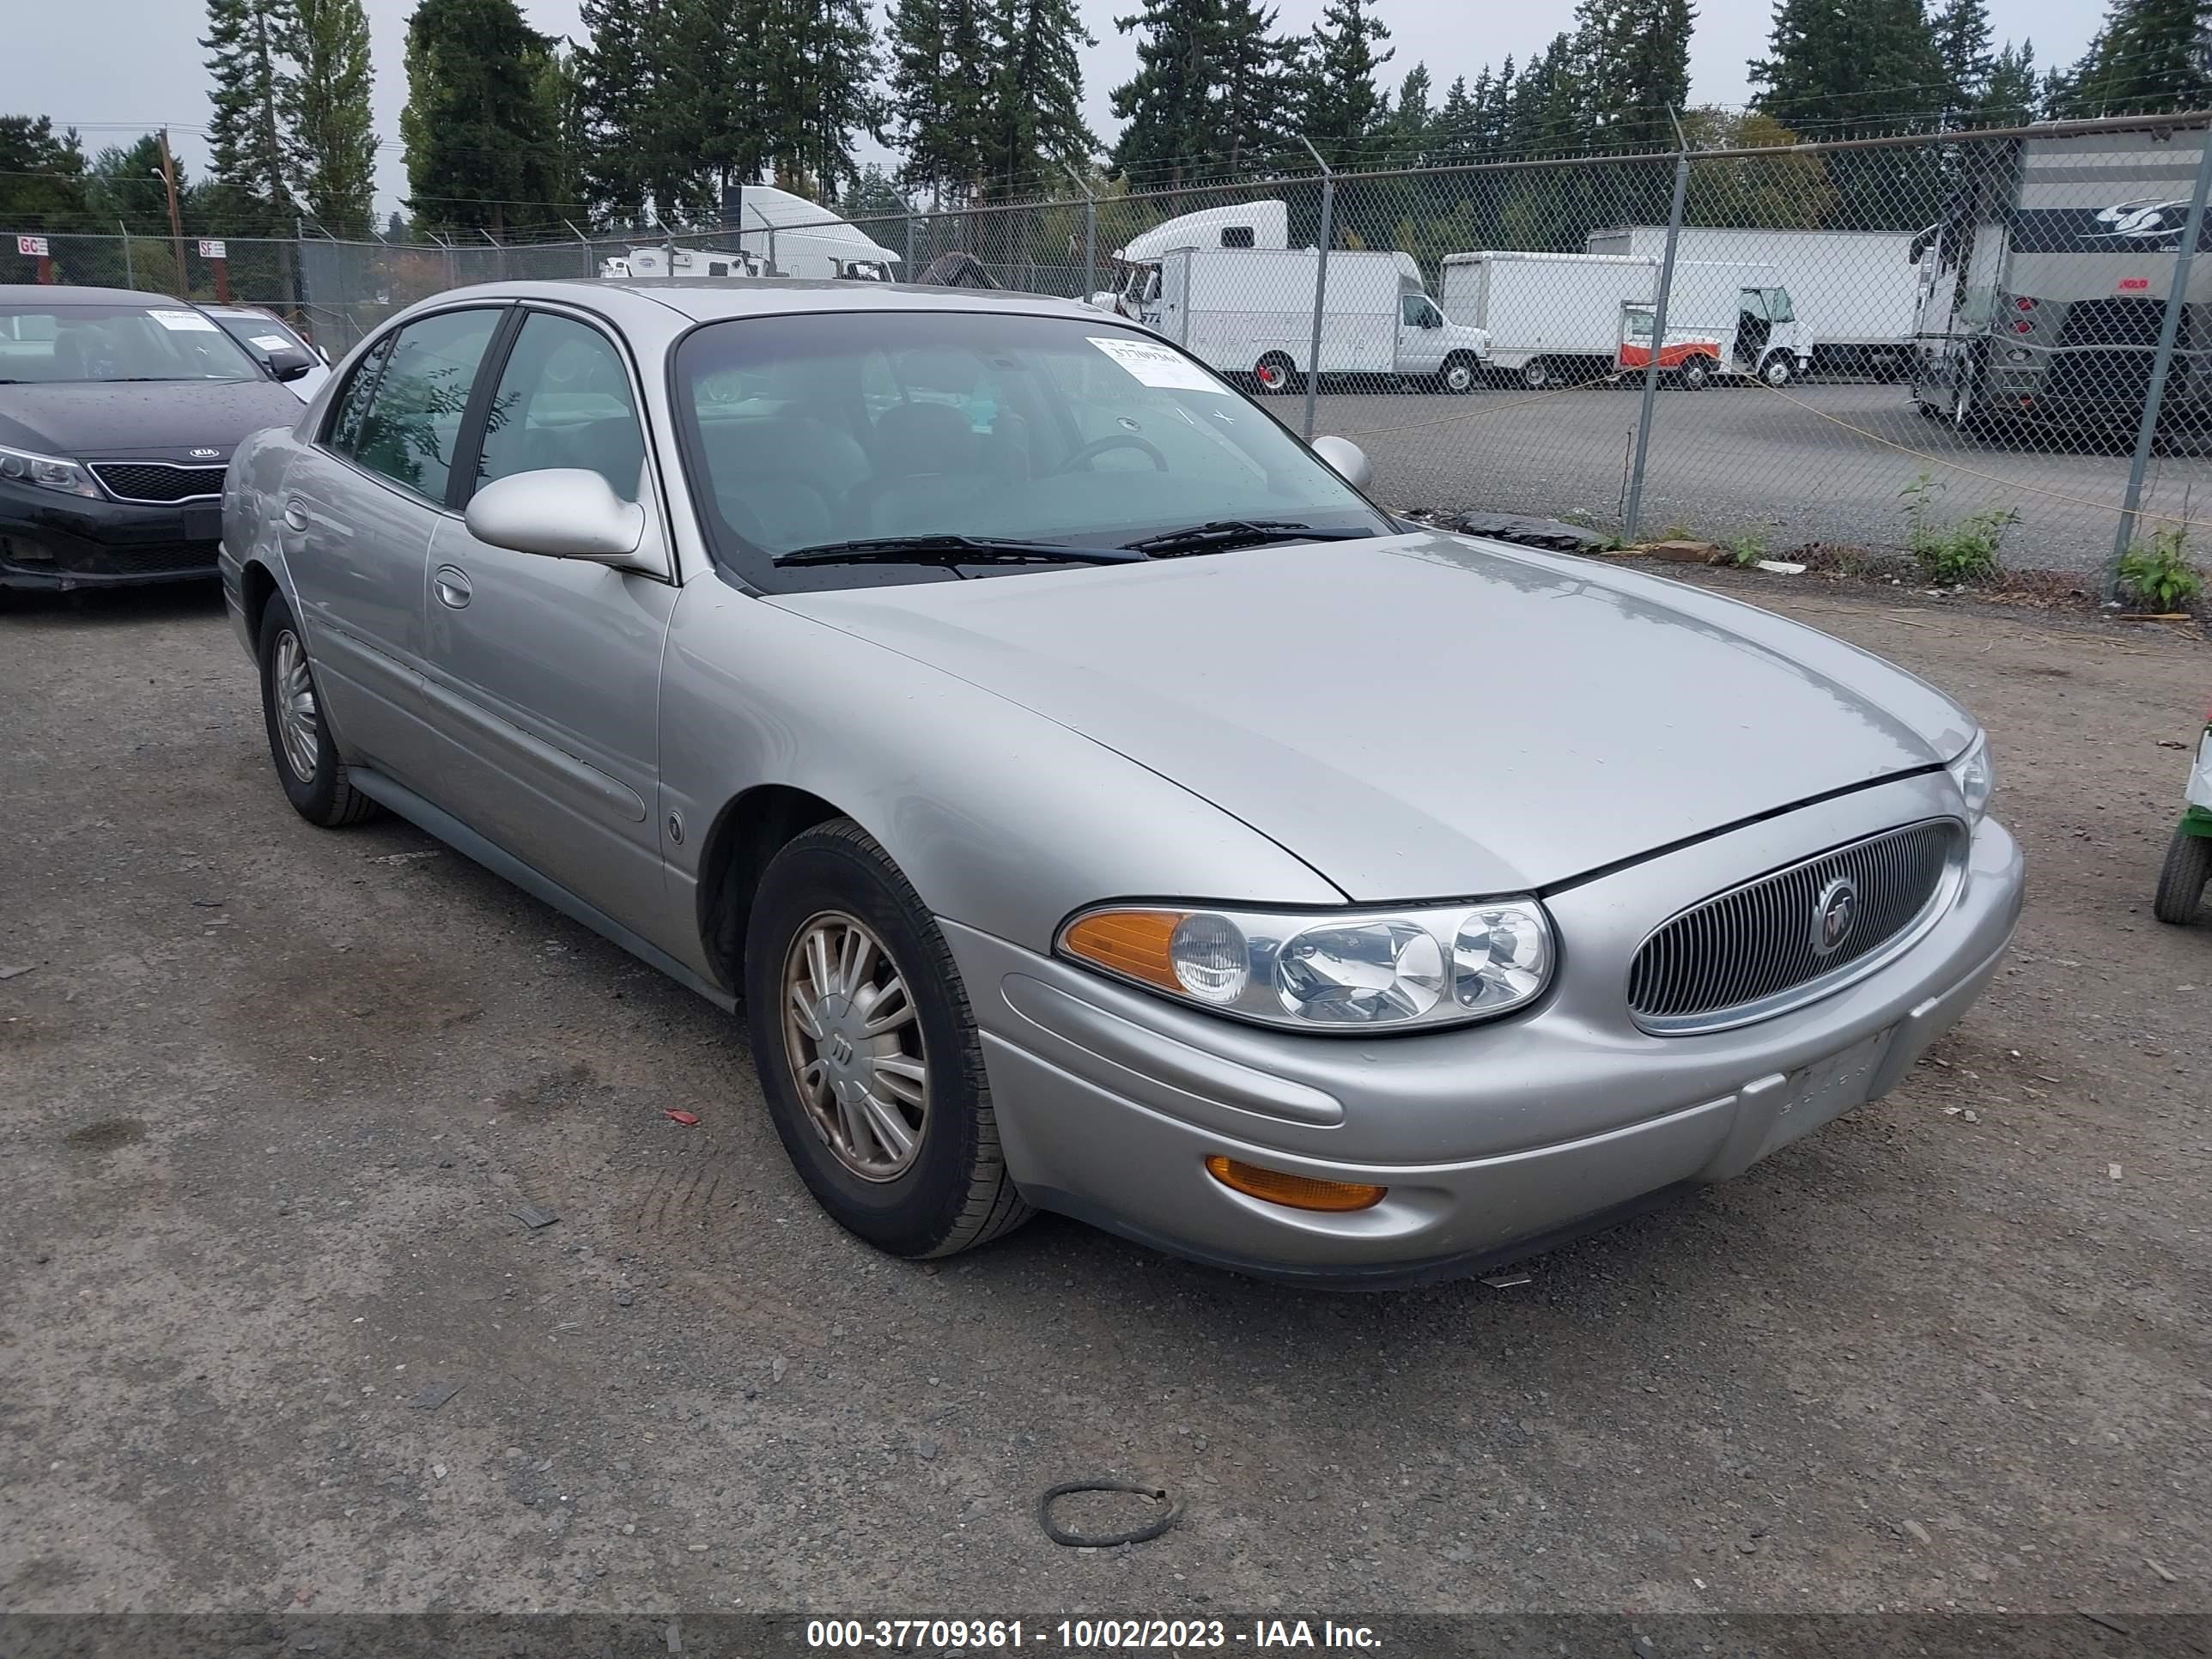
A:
272,343
182,321
1155,365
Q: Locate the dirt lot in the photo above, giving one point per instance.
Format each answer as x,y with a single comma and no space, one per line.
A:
269,1097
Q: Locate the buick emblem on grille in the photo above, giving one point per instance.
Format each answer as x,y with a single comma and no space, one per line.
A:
1835,913
204,454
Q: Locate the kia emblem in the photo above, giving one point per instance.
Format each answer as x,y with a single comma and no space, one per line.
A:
204,454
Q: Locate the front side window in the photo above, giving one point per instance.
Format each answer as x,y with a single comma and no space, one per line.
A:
563,400
52,344
408,431
815,429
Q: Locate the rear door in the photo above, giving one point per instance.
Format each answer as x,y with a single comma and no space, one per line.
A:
547,672
359,507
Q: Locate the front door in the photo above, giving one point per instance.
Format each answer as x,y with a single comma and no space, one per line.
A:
358,512
547,672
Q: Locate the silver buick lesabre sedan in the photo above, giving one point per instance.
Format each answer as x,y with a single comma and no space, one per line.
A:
1092,799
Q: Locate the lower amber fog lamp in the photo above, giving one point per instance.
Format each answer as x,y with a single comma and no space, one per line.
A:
1295,1192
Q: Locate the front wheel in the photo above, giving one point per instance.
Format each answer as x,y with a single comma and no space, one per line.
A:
1461,376
867,1051
2181,883
307,763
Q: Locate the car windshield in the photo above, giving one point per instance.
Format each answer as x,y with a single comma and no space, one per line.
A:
71,343
809,431
261,334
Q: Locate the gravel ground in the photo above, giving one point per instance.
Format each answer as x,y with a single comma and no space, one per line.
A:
270,1098
1819,463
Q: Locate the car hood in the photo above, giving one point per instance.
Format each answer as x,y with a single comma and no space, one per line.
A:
162,420
1428,716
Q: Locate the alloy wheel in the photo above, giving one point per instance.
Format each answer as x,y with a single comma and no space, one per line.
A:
854,1042
293,689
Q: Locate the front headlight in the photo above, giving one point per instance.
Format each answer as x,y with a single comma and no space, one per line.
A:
1349,970
1976,776
47,471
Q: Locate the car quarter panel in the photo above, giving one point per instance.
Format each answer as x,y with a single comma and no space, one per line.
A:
1002,820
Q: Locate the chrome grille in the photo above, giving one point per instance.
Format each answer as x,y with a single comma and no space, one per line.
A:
1753,949
159,482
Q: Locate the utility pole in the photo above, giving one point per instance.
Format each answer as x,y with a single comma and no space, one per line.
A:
176,218
1321,278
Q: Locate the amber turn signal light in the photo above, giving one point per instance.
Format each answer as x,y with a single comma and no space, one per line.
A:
1131,942
1295,1192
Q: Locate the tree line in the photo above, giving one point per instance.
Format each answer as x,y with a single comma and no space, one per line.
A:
665,103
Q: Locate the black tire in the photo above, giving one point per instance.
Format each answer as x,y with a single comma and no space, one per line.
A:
955,1194
1276,374
1778,370
1536,374
322,794
2181,883
1462,373
1695,375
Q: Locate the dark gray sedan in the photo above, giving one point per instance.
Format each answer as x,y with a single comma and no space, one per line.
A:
1092,799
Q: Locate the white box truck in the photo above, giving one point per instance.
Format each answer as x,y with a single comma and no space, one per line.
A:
1562,319
1854,289
1723,319
1250,311
1553,319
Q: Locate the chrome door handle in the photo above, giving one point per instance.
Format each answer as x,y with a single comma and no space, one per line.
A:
451,586
295,516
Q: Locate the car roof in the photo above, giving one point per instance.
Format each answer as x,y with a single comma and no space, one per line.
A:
769,296
62,294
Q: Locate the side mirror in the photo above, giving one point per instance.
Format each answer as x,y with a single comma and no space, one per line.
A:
563,512
289,363
1346,459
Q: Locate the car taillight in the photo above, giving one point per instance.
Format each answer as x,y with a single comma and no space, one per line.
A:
2023,327
2023,302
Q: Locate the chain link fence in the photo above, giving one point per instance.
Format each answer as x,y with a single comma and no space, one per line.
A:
1959,349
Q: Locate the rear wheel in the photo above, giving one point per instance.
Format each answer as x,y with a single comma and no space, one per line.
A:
299,741
1536,374
1461,376
1275,373
1777,370
867,1051
1696,374
2181,883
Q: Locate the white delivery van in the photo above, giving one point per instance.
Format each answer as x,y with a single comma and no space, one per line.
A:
1723,319
1250,311
1553,319
1854,290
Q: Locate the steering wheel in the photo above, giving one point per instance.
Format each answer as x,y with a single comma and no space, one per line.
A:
1114,440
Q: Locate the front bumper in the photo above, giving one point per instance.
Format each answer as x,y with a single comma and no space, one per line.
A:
1495,1140
56,541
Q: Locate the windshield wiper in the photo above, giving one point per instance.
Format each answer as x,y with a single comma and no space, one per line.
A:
955,550
1223,534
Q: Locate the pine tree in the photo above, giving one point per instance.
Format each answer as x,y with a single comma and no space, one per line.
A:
1633,67
940,86
324,104
1842,66
1035,117
475,136
1166,123
42,182
659,87
1456,131
119,185
559,91
1962,46
251,156
1412,123
2151,55
1341,109
816,89
2012,94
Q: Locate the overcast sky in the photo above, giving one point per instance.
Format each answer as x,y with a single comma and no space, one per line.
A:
116,68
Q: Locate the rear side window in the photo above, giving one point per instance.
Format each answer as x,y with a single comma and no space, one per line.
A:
563,400
412,421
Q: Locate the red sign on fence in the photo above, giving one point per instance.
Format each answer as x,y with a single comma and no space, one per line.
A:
30,247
